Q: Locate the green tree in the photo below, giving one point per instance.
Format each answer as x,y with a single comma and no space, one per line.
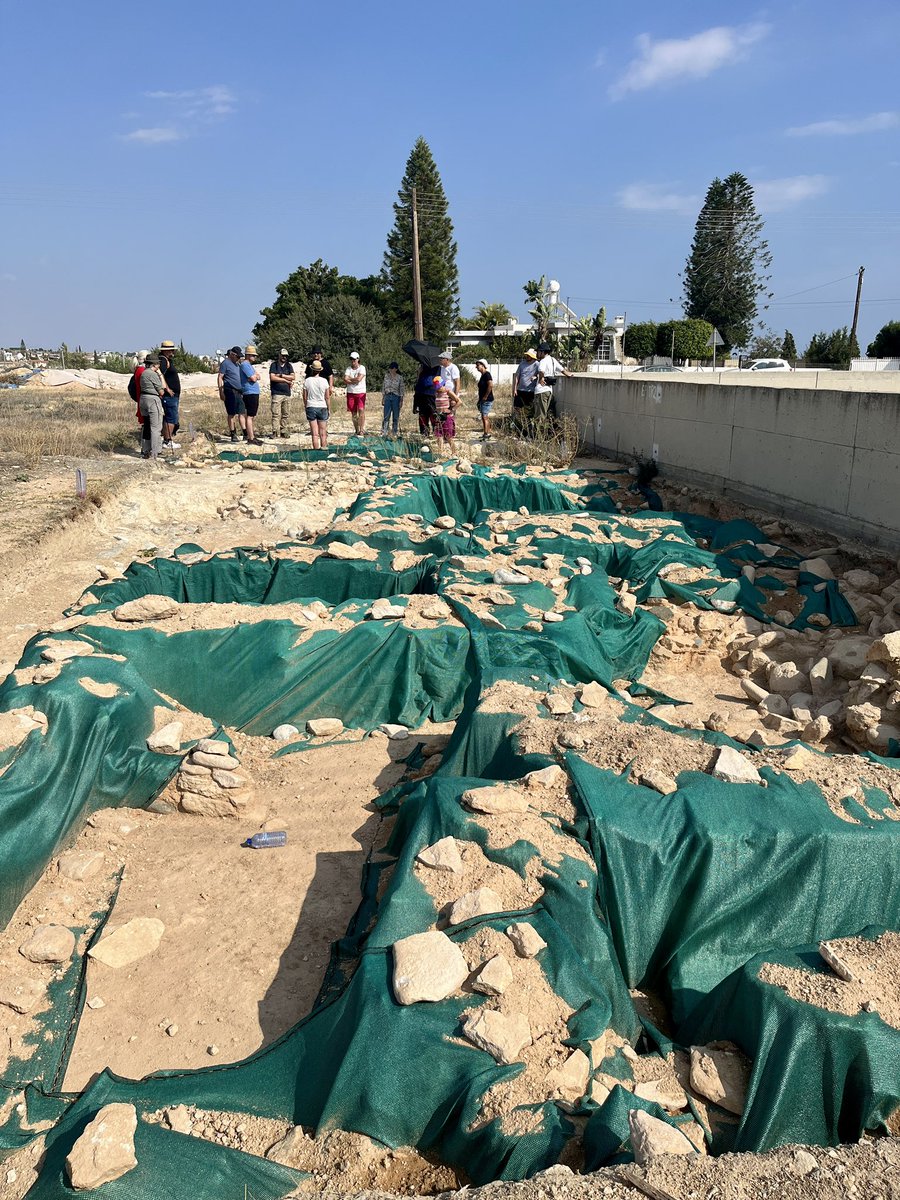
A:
887,342
437,250
640,340
788,347
491,313
542,311
685,339
833,349
767,344
726,273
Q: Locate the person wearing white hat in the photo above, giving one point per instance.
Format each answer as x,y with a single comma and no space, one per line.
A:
449,372
355,378
281,380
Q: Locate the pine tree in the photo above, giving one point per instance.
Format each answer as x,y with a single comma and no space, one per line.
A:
727,271
788,347
437,249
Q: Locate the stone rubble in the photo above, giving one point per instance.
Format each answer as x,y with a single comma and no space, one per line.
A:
105,1150
427,966
208,784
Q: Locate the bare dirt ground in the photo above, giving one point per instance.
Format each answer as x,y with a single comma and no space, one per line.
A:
247,933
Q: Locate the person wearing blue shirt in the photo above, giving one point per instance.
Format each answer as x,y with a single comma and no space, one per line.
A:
231,389
250,393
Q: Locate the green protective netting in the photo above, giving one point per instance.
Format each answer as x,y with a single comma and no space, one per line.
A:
354,449
690,888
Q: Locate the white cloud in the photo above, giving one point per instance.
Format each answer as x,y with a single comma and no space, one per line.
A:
199,104
8,277
841,127
773,195
686,58
151,137
656,197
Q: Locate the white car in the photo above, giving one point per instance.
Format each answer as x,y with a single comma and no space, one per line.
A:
770,364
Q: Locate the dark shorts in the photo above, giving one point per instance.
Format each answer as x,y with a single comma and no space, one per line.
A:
170,409
251,403
233,401
523,400
317,414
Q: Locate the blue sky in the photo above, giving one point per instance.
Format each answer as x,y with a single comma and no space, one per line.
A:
167,165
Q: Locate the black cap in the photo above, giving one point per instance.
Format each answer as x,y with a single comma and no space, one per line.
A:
394,365
317,350
235,350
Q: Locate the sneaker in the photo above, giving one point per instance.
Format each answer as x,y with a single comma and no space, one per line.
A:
254,441
234,436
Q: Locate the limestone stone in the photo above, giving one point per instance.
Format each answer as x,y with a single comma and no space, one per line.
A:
21,995
225,803
861,581
427,966
753,691
786,678
717,722
80,864
61,651
443,855
816,730
526,939
383,610
626,603
650,1137
733,767
340,550
284,733
552,618
105,1151
804,1162
178,1118
776,704
817,566
147,608
216,762
533,626
821,677
720,1074
445,522
837,964
848,656
494,977
394,733
135,939
479,903
436,610
507,576
659,781
798,758
558,704
569,1081
166,740
325,727
49,944
545,777
666,1093
502,1035
593,695
887,650
213,746
495,799
230,780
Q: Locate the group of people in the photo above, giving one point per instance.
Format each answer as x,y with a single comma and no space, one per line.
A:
156,387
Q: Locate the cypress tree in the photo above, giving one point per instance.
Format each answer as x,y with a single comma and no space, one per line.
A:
788,346
727,270
437,249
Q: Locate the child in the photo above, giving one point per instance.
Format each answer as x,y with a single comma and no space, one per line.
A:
445,404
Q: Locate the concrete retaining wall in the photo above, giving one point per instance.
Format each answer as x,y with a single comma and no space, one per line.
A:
828,457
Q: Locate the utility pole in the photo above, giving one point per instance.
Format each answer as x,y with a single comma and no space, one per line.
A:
416,272
862,271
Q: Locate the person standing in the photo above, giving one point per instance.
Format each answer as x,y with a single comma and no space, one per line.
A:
355,378
327,371
281,380
449,372
317,401
549,370
445,405
172,397
524,382
153,387
393,389
250,393
485,397
231,389
423,399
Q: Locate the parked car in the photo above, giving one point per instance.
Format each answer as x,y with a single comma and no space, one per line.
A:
770,364
677,370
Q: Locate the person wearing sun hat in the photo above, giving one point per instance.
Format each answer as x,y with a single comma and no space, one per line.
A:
250,392
524,383
172,397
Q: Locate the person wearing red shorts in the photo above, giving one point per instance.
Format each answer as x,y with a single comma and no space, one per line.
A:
445,403
355,378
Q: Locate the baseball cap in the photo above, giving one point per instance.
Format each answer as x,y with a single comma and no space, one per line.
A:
446,354
530,354
481,362
283,352
251,350
235,350
354,354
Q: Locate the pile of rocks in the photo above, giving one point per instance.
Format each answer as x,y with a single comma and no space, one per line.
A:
209,784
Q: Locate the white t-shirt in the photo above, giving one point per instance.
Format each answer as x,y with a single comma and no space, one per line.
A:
315,389
359,387
550,368
450,377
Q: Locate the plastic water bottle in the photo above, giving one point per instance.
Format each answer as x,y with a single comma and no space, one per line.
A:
266,840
